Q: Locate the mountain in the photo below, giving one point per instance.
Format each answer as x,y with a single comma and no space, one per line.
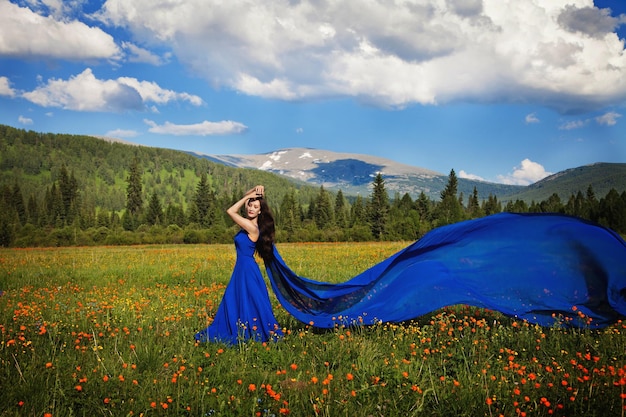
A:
602,177
353,173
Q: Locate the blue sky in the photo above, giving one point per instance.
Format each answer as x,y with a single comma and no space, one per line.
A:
501,90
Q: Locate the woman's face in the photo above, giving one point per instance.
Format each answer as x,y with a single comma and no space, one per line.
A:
253,209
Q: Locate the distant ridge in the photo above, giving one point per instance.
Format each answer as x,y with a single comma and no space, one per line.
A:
601,176
353,173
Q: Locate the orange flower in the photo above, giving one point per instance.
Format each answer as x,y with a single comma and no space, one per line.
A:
78,388
251,387
49,365
349,376
293,366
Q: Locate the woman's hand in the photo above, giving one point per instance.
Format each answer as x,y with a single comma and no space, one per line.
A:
258,191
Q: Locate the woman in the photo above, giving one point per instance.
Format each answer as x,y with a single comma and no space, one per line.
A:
544,268
245,311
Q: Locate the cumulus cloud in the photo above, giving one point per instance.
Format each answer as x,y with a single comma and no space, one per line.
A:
206,128
526,173
25,120
85,92
24,34
608,119
588,20
463,174
5,87
562,53
532,118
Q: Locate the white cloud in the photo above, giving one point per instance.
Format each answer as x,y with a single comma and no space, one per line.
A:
138,54
574,124
5,87
608,119
152,92
58,8
85,92
532,118
24,33
226,127
463,174
526,173
121,133
561,53
25,120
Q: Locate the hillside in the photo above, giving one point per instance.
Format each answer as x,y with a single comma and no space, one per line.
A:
100,167
602,177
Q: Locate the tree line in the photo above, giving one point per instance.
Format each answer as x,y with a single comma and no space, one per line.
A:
64,217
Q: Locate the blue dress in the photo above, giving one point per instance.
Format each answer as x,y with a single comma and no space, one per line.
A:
245,311
543,268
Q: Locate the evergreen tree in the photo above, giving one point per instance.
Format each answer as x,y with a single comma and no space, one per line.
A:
423,206
552,204
323,214
492,205
68,187
134,198
517,206
54,206
341,214
575,205
202,200
473,205
174,214
17,203
449,210
154,215
379,207
403,219
612,209
591,204
32,208
358,214
290,214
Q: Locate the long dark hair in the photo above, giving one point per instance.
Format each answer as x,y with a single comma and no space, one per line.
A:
265,220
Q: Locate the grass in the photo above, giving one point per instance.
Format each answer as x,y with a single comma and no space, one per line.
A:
109,331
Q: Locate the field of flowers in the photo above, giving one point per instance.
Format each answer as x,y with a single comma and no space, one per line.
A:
109,331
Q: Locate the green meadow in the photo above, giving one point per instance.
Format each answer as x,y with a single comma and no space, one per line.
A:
109,331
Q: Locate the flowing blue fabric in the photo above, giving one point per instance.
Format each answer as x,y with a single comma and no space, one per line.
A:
245,311
543,268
